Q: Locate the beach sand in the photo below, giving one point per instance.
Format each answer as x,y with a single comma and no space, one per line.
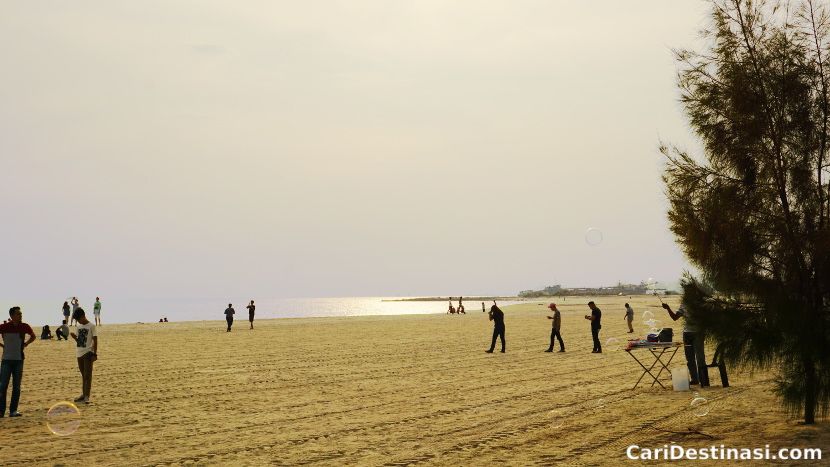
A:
380,390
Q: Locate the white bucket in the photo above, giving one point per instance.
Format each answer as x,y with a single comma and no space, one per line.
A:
680,378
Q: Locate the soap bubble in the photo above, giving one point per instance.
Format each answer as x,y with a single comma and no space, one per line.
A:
557,418
599,403
700,406
613,344
647,315
63,419
593,236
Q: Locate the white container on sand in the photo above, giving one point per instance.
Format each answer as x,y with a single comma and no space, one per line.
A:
680,378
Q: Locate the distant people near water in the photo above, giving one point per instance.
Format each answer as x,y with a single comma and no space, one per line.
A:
86,347
96,310
11,366
460,306
693,347
75,305
229,312
165,320
629,317
66,312
451,310
483,308
161,320
596,324
251,309
63,331
555,328
45,332
497,317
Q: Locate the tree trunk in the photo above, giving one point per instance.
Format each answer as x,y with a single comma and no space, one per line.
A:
810,391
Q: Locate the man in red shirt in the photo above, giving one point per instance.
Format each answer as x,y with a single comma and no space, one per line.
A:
14,333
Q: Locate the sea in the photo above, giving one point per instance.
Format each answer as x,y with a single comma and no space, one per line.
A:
147,310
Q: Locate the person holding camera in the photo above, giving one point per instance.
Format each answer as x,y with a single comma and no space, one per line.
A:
86,346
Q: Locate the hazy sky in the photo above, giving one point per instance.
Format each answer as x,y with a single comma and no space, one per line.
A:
335,148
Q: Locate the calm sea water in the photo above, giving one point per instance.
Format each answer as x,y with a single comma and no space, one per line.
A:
150,310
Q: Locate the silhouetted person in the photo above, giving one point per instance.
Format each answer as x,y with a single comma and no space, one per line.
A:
45,332
62,331
86,346
66,311
75,305
483,308
229,316
251,309
461,306
595,317
96,311
497,317
554,332
11,366
629,317
693,348
165,319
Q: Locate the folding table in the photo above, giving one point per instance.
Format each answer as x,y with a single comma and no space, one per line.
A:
657,351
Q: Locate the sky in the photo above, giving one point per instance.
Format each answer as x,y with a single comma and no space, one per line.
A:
336,148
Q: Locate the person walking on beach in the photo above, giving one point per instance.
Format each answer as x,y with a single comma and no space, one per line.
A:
96,310
629,317
595,318
86,347
554,332
692,347
460,306
11,367
66,312
229,311
483,309
251,308
62,331
497,317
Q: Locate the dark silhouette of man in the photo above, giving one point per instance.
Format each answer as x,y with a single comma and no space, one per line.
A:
497,317
596,324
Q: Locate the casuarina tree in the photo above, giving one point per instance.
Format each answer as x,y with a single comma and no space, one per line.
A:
752,212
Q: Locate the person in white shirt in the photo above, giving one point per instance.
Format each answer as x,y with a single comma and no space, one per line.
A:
86,341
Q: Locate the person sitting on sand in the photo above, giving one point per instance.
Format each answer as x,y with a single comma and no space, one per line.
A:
554,332
229,311
497,317
62,331
629,317
45,332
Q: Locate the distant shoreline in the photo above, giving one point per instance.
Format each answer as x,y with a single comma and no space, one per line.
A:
444,299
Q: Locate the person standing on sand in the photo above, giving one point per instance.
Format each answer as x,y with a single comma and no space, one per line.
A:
229,316
497,317
11,367
96,310
251,308
693,348
75,305
629,317
86,346
460,306
483,309
595,318
554,332
66,312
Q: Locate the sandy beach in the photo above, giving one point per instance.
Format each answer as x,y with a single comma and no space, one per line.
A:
394,390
